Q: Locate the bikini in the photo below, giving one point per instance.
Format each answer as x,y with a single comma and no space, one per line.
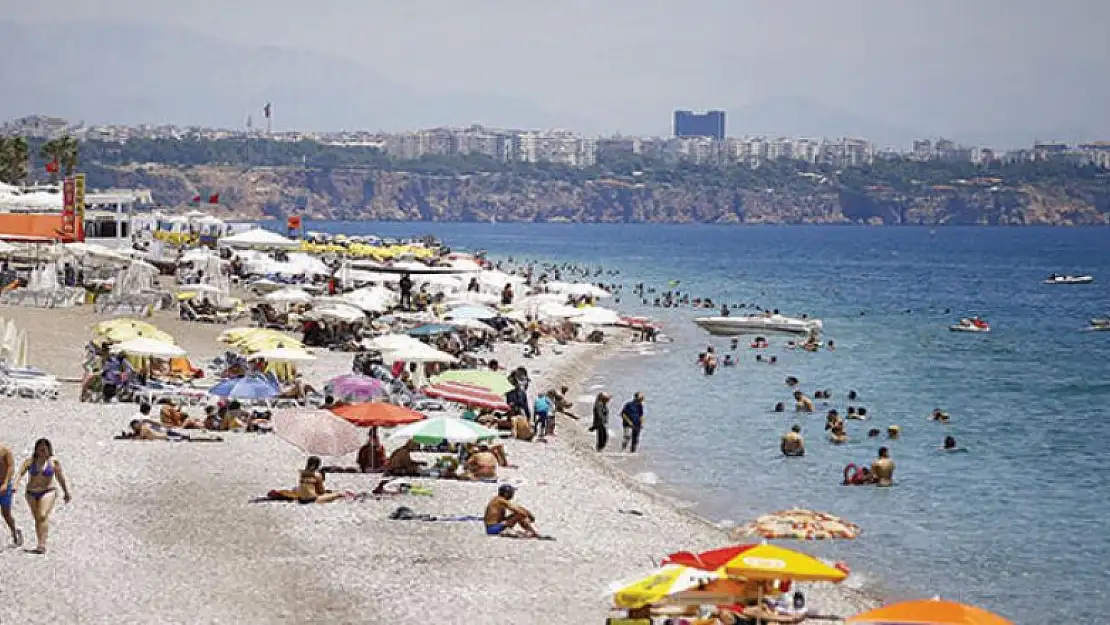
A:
47,471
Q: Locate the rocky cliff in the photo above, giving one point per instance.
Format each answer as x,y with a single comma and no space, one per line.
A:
353,193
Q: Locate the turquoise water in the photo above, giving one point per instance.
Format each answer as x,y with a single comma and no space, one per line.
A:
1017,525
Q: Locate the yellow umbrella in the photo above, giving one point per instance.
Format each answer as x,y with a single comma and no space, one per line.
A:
123,333
761,562
660,584
262,343
122,322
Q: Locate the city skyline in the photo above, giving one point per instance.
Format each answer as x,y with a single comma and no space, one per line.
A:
987,73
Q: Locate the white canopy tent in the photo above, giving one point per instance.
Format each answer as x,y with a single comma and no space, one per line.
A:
259,239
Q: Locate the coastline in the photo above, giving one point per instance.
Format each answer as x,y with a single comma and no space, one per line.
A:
171,522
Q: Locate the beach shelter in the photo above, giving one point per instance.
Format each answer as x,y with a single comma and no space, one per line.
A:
659,584
443,430
496,382
760,562
249,387
148,347
467,395
317,432
377,414
356,388
928,612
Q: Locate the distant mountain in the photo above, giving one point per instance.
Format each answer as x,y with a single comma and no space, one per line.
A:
130,74
805,117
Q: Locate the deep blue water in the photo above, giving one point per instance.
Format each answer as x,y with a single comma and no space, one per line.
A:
1017,525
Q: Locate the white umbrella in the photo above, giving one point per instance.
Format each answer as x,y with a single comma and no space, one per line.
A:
259,238
577,289
289,295
596,316
418,352
557,311
337,312
283,354
389,342
471,324
148,347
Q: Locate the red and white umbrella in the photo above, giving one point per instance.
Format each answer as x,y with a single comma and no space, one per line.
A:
468,395
318,432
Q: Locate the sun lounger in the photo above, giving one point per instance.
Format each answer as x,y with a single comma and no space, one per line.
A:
28,382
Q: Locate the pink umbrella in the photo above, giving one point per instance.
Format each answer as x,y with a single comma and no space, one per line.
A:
318,432
356,388
468,395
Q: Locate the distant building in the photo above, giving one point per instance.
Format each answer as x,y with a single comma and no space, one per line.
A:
709,124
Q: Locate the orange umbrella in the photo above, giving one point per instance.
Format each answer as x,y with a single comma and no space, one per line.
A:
928,612
376,414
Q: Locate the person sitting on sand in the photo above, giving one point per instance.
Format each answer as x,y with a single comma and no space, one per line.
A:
883,468
401,463
502,515
482,464
521,428
792,443
310,484
802,403
371,456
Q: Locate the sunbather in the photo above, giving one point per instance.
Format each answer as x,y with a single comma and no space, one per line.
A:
482,464
310,487
502,515
174,417
401,463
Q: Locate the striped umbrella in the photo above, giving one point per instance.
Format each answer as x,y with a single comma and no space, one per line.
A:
467,395
317,432
443,430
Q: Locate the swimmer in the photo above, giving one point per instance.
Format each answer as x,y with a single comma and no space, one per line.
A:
950,444
883,468
852,395
874,433
759,357
792,443
728,361
838,436
939,416
893,432
773,360
851,413
791,380
780,407
802,403
861,412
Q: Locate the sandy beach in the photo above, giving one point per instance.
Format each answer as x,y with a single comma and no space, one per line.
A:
163,532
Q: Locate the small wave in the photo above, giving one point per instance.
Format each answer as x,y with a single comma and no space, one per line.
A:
647,477
726,524
647,352
595,387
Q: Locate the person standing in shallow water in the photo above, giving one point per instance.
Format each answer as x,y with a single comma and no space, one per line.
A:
883,468
42,470
601,420
632,418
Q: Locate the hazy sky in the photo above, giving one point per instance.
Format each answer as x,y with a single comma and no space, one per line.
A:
939,66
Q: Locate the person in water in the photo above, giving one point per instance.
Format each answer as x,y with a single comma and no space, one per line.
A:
939,416
792,443
42,470
893,432
802,403
883,468
950,444
310,485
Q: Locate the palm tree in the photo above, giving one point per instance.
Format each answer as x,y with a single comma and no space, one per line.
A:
13,159
62,150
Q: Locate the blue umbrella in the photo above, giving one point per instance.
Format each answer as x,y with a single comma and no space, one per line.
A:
250,387
431,329
471,312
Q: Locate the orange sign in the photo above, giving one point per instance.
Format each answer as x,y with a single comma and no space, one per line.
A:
79,206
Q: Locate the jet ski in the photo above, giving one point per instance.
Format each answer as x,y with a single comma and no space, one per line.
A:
973,324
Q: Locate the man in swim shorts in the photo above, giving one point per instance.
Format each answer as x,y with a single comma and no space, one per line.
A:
882,469
502,515
7,489
792,443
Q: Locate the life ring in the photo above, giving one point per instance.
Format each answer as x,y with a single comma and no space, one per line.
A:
851,474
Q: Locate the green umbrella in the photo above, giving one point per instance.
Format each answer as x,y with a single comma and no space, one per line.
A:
443,430
496,382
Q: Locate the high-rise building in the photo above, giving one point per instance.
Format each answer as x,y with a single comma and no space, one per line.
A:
708,124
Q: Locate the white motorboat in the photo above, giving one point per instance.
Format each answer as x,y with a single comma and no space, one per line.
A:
1066,279
1100,324
758,324
975,325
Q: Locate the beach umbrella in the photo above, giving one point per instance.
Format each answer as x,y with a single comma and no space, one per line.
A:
471,324
418,352
250,387
288,296
431,329
928,612
799,524
443,430
284,354
356,388
148,347
123,333
388,342
760,562
317,432
471,312
467,395
336,311
259,238
659,584
596,316
377,414
496,382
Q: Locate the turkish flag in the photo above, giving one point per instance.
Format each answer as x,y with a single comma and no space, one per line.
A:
214,198
52,167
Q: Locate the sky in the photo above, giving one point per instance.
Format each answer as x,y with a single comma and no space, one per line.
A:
1006,70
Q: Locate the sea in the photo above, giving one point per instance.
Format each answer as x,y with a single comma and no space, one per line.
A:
1018,524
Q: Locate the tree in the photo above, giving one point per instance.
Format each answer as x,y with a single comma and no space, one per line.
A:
14,155
64,151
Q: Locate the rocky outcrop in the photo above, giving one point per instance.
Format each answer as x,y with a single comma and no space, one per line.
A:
505,196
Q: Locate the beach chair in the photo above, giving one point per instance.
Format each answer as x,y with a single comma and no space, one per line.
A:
28,382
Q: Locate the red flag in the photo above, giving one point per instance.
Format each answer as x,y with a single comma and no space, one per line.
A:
214,198
196,199
52,167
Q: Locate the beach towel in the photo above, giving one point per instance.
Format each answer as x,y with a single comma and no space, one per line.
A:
404,513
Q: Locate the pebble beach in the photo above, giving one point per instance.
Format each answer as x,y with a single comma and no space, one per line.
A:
164,532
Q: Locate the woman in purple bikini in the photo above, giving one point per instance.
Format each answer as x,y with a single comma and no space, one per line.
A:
42,469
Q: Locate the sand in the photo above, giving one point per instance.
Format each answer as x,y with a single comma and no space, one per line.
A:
163,532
